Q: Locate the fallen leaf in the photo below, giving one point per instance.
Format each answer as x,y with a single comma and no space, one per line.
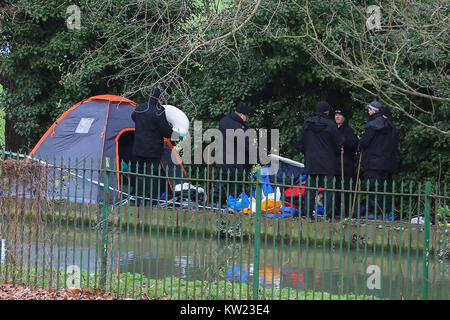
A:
21,292
73,292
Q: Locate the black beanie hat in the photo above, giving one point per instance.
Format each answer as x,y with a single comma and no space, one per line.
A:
242,108
322,107
341,111
155,96
374,105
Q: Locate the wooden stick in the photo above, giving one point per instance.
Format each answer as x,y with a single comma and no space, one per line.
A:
207,181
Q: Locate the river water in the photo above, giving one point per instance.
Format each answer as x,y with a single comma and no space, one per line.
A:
160,253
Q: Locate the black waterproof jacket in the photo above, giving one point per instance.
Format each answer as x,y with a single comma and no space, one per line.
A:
378,144
151,128
350,144
320,141
234,122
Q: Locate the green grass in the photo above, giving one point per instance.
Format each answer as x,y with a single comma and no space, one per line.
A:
138,286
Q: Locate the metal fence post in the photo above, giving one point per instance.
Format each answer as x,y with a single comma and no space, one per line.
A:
104,224
257,237
426,249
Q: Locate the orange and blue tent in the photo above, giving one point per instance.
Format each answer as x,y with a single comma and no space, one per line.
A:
81,140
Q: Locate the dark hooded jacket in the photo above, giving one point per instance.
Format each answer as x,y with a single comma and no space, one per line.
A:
350,144
319,140
378,144
387,113
234,122
151,128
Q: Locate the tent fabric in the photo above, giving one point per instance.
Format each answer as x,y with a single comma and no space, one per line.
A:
87,134
106,97
63,141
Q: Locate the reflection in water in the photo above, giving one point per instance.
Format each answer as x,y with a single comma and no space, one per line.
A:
211,259
268,277
314,269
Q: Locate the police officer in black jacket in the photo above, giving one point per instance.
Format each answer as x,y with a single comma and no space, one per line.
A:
347,153
378,145
240,162
320,141
151,129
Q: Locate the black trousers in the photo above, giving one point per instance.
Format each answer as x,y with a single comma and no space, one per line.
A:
343,208
318,181
152,186
223,189
379,201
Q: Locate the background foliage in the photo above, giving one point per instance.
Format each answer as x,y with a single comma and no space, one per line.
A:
273,63
2,123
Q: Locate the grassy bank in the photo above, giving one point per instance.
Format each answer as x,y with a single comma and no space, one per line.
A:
138,286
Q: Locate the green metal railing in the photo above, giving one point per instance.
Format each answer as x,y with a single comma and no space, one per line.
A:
64,223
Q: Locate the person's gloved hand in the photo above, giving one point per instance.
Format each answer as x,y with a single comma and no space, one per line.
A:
124,166
359,149
181,135
176,135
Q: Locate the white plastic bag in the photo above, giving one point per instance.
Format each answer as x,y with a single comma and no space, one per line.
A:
178,119
253,204
274,195
187,186
420,221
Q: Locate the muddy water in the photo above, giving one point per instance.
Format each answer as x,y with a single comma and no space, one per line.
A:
160,253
